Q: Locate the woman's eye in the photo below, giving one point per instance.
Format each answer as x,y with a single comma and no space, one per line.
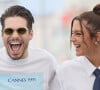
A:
78,33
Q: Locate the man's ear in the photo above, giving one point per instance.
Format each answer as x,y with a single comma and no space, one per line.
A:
2,33
31,34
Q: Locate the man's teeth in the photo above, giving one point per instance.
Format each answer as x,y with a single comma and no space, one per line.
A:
15,43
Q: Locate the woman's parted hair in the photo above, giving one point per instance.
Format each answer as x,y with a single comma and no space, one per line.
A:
92,18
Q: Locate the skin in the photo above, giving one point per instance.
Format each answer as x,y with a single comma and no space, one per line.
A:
85,44
16,44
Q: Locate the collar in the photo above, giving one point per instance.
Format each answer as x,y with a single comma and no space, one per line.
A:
87,65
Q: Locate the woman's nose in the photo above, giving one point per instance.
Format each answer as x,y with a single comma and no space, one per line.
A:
73,39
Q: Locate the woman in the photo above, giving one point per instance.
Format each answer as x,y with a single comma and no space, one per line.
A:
78,74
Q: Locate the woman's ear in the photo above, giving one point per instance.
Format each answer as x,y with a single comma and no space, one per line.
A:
98,36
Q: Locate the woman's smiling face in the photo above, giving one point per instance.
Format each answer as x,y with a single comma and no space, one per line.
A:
81,39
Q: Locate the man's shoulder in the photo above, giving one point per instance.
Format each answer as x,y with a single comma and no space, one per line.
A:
3,53
2,50
39,51
42,54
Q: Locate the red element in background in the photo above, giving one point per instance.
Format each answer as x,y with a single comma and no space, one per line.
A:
66,17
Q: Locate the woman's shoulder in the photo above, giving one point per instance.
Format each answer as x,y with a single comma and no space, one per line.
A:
71,64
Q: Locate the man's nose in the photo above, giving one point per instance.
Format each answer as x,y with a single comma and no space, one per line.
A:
15,34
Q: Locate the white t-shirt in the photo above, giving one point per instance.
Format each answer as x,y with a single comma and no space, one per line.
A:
33,73
76,74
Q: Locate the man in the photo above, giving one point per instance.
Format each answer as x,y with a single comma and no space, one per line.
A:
21,67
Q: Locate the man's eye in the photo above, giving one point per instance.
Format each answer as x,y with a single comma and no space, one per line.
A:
21,30
8,31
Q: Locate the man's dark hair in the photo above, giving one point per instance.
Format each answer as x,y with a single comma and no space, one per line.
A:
18,11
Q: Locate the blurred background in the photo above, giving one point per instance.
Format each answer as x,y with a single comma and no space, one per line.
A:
52,23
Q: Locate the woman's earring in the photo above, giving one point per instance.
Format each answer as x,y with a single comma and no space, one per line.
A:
96,43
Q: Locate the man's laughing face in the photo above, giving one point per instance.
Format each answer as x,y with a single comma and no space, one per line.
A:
16,37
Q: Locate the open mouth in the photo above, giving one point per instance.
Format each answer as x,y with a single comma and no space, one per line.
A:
15,46
77,46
